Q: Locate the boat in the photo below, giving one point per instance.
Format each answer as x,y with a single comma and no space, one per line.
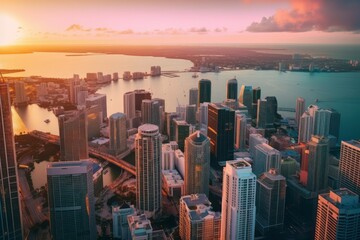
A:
195,75
47,120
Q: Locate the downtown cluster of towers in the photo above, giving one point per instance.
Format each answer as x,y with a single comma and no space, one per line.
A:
254,187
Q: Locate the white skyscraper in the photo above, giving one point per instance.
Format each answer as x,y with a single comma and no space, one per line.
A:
238,201
240,131
300,108
148,170
305,127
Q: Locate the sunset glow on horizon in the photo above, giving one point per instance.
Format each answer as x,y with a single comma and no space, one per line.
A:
179,22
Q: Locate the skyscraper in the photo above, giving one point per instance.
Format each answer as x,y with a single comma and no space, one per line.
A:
148,170
300,109
338,215
190,114
246,97
221,132
73,136
240,131
231,89
265,118
318,164
334,127
256,97
93,115
10,214
20,93
273,106
197,164
193,96
98,99
265,158
305,127
132,106
182,131
270,202
349,166
322,122
71,200
204,91
151,111
197,220
255,139
118,138
238,201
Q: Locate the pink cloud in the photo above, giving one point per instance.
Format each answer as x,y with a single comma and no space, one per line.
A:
308,15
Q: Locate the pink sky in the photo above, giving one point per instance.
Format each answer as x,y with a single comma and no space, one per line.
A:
180,21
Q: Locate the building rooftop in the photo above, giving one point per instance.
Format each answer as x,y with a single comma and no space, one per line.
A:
118,115
148,129
354,143
95,96
239,164
199,207
342,198
197,137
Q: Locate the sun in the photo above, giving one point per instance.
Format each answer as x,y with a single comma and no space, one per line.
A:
9,30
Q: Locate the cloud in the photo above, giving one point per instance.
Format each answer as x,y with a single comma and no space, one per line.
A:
77,28
219,30
198,30
308,15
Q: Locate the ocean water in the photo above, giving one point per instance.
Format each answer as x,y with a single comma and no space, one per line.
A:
340,91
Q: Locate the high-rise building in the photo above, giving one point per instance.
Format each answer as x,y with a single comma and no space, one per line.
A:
93,115
318,164
288,167
98,99
273,106
305,127
73,136
300,109
221,132
349,166
141,229
190,114
240,131
132,106
238,201
193,96
170,126
197,164
334,123
118,138
197,220
20,93
338,215
322,122
10,214
155,71
270,202
151,111
71,200
182,131
255,139
265,118
120,223
232,89
204,91
203,117
265,158
148,170
246,97
256,97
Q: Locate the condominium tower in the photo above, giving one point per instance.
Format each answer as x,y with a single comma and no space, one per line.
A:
349,166
10,214
71,200
238,201
148,170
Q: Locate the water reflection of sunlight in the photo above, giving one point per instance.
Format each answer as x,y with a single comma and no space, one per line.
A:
18,124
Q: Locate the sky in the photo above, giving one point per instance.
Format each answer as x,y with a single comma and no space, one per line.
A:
179,22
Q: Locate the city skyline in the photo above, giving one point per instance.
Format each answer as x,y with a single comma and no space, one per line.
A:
179,22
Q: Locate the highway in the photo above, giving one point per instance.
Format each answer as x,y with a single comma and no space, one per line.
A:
92,152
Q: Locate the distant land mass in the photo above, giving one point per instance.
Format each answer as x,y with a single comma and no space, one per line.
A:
210,58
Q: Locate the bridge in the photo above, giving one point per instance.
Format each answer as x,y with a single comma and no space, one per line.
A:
92,151
284,109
